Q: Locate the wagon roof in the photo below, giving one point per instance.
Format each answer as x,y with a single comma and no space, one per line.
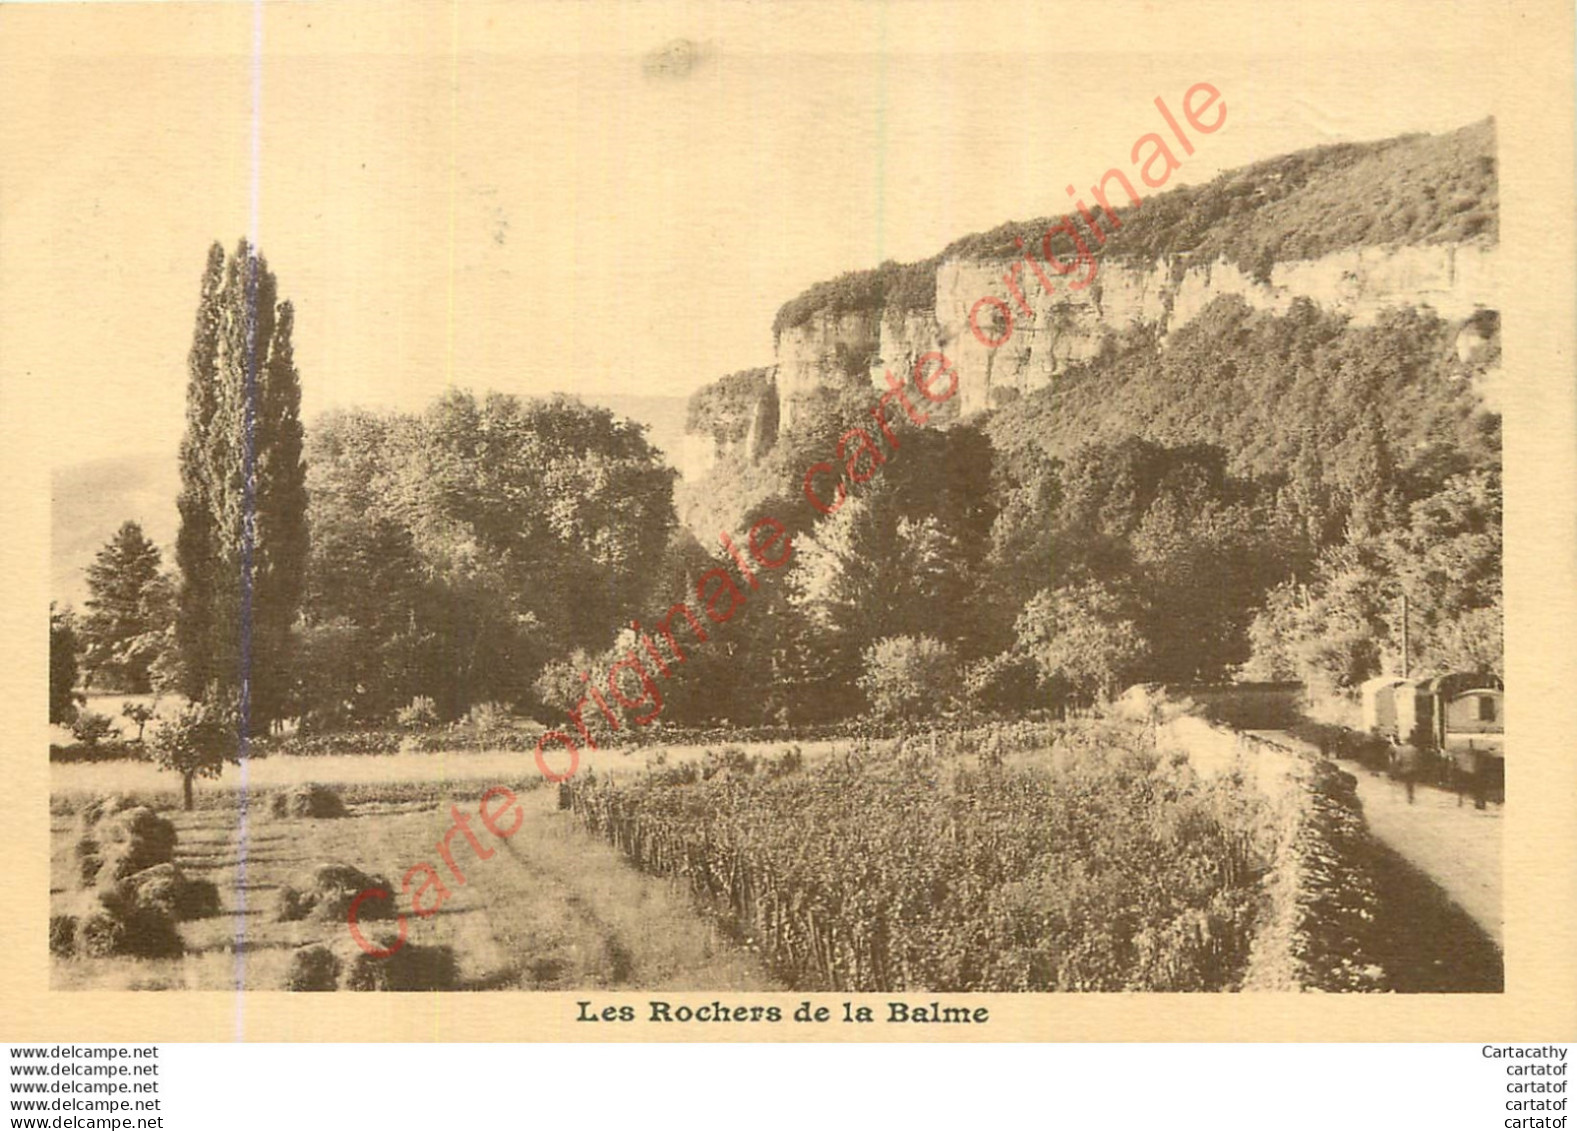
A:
1458,682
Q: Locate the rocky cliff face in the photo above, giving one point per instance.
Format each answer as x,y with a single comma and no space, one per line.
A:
1457,280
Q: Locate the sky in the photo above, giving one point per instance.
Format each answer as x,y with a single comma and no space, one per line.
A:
538,198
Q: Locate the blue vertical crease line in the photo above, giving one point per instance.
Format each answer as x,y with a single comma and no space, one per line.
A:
248,517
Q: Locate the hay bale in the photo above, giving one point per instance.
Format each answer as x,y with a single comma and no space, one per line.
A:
126,842
313,969
167,888
101,933
139,825
62,935
110,923
119,837
289,904
327,892
410,968
88,862
105,805
199,899
150,933
307,800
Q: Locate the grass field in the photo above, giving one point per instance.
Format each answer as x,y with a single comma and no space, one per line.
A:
552,909
71,783
1061,854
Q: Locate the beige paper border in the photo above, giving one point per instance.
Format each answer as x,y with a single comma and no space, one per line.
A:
1528,47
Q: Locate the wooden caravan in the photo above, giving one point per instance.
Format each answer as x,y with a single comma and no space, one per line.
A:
1469,720
1378,699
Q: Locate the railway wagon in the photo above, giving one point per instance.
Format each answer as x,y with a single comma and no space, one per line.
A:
1377,698
1459,719
1469,721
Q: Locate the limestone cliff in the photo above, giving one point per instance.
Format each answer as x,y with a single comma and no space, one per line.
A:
1455,280
1356,228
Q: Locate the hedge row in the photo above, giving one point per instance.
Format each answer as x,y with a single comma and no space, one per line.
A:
523,739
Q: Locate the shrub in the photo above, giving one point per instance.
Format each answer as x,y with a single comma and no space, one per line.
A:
908,676
307,800
790,761
559,686
112,751
730,762
90,726
313,969
489,716
422,711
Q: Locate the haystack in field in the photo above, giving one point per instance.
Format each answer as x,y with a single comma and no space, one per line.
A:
127,841
105,805
108,923
326,894
313,969
307,800
410,968
62,935
167,888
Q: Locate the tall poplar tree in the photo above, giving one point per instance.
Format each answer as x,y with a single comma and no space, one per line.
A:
242,546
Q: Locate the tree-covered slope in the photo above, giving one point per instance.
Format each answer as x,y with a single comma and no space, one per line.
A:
1271,389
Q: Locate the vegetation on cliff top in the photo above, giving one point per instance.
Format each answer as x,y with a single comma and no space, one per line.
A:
1414,189
900,287
725,408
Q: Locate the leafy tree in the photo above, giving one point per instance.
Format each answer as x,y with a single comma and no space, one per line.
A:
197,740
242,546
1344,623
909,676
330,669
140,713
1331,632
366,635
129,607
1008,682
418,713
63,695
1082,637
458,551
1202,567
903,554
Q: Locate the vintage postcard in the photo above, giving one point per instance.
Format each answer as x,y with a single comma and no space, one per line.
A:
728,522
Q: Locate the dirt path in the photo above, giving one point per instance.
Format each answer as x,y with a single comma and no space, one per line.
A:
1450,842
1437,870
1454,844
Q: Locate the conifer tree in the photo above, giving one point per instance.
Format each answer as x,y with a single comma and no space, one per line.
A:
125,606
242,546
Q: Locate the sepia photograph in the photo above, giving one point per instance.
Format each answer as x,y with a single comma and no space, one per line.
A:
686,512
